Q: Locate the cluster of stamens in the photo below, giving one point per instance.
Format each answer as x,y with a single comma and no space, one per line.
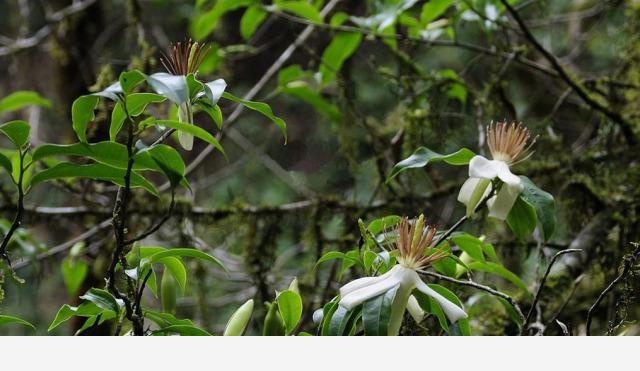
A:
509,142
184,57
414,244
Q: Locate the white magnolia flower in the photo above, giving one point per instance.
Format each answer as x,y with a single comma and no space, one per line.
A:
414,253
508,144
185,58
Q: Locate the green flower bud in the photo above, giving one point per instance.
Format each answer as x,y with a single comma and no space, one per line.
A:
168,292
239,319
273,323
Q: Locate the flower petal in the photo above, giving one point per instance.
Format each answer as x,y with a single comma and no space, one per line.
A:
507,176
501,204
480,167
452,311
361,282
467,189
414,309
356,297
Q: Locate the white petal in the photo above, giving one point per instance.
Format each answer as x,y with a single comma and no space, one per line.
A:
480,167
185,139
507,176
501,204
452,311
467,190
414,309
361,282
358,296
214,90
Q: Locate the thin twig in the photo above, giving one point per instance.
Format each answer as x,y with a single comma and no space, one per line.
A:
543,280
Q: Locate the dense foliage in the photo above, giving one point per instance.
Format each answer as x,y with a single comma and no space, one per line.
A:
381,167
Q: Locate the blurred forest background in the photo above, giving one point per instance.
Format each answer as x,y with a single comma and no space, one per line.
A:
572,75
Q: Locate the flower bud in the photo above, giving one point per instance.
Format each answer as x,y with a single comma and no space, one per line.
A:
239,320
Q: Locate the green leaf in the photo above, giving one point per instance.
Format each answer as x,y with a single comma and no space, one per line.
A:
461,327
499,270
9,320
433,9
544,204
194,130
166,319
342,46
130,79
251,20
301,9
183,330
342,321
86,309
290,306
82,113
173,87
213,111
177,269
262,108
376,313
382,224
136,104
103,299
108,153
470,244
203,24
73,273
93,171
522,218
5,162
180,252
21,99
17,131
423,156
170,161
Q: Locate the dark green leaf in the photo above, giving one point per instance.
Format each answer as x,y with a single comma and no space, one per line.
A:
108,153
165,319
262,108
18,131
136,104
342,321
184,330
499,270
5,162
422,156
522,218
92,171
9,320
82,113
376,313
193,130
470,244
544,204
86,309
170,161
206,22
130,79
102,299
180,252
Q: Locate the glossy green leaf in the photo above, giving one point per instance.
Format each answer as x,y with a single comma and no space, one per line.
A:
522,218
21,99
166,319
342,321
342,46
17,131
470,244
183,330
180,252
170,161
86,309
103,299
376,313
273,323
498,270
130,79
108,153
5,162
251,20
262,108
544,205
10,320
82,113
74,273
383,224
92,171
193,130
290,307
423,156
206,22
136,104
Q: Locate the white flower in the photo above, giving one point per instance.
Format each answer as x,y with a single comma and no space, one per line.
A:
415,253
508,144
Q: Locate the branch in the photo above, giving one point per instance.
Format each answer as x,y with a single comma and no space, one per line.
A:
628,262
562,73
542,281
17,220
159,224
478,286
